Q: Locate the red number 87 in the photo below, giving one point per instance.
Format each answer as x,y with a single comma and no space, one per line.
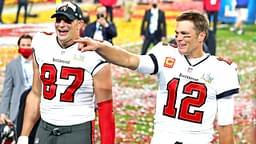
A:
49,78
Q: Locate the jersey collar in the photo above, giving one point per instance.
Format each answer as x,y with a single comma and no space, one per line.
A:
200,60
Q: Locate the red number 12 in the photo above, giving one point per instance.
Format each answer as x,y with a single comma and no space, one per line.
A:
186,102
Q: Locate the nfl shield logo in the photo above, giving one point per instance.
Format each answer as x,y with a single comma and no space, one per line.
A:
190,69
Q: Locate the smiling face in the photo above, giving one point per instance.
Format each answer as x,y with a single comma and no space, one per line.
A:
191,31
67,30
188,39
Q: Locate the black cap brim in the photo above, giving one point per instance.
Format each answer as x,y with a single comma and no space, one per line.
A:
71,17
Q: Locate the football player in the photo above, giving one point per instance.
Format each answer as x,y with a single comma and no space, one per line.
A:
66,84
194,87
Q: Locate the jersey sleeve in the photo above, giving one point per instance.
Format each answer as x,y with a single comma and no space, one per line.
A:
150,63
35,41
225,111
227,81
38,38
147,64
96,62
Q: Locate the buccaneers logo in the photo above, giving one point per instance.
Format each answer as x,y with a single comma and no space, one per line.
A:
64,7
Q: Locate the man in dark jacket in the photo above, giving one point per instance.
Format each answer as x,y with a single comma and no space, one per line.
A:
153,28
101,29
22,3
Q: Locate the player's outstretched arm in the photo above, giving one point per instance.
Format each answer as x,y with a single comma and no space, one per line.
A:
113,54
103,92
31,113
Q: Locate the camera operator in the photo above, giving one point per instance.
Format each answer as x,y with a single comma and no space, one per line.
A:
101,29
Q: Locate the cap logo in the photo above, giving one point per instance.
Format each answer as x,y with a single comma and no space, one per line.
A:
64,7
67,5
71,10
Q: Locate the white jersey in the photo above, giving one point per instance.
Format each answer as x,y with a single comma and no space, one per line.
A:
186,103
67,81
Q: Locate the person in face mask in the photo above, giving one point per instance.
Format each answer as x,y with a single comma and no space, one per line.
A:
18,79
153,27
25,48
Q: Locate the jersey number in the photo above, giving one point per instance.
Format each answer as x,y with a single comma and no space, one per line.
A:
186,102
49,77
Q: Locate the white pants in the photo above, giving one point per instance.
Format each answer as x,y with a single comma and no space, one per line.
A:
241,14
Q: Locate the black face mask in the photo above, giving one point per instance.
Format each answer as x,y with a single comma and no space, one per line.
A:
154,5
100,15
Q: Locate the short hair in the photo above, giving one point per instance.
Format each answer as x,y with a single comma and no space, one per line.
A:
101,9
200,21
86,18
24,36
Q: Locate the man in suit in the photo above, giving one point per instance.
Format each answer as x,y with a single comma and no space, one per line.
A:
18,78
101,29
153,27
22,3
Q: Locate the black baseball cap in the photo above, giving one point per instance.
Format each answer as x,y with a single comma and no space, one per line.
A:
69,9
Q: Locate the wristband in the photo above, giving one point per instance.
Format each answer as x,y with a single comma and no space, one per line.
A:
106,122
22,140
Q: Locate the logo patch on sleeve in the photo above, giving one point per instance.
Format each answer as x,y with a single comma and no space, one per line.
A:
169,62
